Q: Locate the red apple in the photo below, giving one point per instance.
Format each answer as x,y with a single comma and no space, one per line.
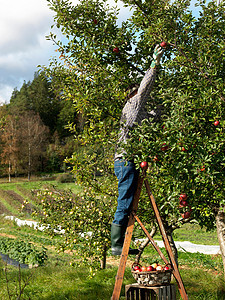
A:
136,268
116,50
95,21
183,203
166,268
203,168
164,147
216,123
186,215
183,149
159,268
183,196
144,165
163,44
150,268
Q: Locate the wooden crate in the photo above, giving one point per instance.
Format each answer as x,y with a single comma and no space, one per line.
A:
140,292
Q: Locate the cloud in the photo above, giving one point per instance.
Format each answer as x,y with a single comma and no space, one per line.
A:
23,26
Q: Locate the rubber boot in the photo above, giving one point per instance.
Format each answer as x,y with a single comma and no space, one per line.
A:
117,239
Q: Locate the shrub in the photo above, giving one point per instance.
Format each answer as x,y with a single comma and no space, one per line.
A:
23,252
65,178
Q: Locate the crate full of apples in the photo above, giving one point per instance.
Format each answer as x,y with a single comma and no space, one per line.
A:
152,275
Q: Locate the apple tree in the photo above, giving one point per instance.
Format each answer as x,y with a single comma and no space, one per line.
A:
99,57
186,148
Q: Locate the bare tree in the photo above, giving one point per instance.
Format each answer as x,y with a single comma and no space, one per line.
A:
9,138
33,140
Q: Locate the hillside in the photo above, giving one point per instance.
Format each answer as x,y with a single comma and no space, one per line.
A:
14,194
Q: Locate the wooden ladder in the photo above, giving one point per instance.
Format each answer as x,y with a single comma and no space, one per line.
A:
123,259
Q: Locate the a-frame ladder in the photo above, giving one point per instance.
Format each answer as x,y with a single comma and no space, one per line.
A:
123,259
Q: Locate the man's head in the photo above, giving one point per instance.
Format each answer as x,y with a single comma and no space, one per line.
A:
132,90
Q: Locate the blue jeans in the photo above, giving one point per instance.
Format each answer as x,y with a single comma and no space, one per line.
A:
127,177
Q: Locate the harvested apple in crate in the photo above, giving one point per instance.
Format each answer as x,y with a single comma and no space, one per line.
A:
151,275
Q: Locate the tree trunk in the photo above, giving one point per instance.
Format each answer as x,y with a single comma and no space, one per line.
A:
173,246
103,260
9,171
143,245
29,161
220,225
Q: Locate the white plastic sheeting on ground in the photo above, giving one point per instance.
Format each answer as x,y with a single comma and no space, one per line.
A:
181,246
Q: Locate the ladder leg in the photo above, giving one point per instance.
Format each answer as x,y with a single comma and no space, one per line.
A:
127,240
176,272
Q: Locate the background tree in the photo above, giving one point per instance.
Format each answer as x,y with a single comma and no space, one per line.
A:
38,96
32,142
9,140
101,58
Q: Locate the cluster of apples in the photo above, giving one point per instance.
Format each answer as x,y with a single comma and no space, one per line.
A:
184,203
150,268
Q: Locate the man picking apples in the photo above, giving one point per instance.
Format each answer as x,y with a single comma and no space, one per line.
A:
133,112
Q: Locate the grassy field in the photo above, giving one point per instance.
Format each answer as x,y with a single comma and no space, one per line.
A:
202,274
195,234
13,194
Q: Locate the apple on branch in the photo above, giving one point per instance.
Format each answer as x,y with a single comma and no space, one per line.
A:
116,50
163,44
183,196
164,147
183,149
183,203
144,165
186,215
156,158
216,123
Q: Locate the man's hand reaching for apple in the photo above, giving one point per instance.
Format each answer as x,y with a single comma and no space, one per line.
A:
157,55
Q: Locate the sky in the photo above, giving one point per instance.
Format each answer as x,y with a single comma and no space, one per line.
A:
24,25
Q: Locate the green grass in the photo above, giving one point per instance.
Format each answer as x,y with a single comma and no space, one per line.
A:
30,185
202,274
14,193
61,281
195,234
